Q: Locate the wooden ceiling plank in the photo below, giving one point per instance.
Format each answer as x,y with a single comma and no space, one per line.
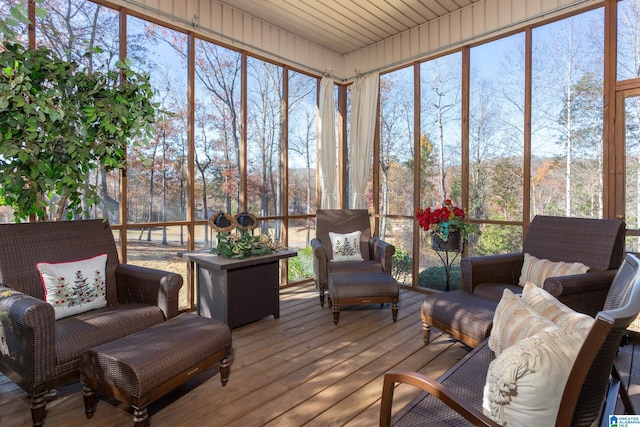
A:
422,7
344,26
301,20
399,12
360,14
352,30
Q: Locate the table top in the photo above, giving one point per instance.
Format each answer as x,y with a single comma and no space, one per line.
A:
217,262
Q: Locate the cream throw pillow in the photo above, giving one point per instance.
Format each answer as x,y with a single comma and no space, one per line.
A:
513,321
74,287
346,247
536,270
525,383
548,306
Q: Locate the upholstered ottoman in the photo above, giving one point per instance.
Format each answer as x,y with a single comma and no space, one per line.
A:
467,317
142,367
362,288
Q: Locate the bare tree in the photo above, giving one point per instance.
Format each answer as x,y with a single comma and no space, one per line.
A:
562,60
265,132
396,141
218,73
440,102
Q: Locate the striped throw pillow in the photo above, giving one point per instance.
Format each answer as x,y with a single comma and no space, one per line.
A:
537,270
548,306
513,321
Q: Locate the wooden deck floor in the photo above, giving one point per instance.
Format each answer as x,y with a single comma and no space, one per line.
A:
297,370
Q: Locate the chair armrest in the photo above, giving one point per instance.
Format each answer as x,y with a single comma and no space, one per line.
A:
320,260
27,338
432,387
502,268
585,293
382,252
144,285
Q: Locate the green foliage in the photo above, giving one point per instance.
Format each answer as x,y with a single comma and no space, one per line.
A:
499,240
301,266
402,268
243,245
9,26
435,278
506,198
58,122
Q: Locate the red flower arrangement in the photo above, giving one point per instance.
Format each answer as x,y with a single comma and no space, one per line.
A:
444,220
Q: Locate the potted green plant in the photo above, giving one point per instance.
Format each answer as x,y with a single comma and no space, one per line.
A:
59,121
448,225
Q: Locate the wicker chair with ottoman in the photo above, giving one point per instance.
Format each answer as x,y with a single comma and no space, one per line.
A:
64,291
362,288
334,228
574,259
144,366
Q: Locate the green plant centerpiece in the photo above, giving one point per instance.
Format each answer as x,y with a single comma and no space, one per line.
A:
59,121
236,239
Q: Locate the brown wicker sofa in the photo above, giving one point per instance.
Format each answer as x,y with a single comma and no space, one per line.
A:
467,313
40,353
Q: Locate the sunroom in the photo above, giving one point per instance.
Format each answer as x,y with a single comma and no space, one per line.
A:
510,109
493,105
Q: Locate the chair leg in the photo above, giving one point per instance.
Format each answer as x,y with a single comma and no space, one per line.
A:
336,313
394,311
38,405
140,417
321,297
225,370
624,394
426,332
89,397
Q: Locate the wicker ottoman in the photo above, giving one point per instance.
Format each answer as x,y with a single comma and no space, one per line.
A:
465,316
144,366
362,288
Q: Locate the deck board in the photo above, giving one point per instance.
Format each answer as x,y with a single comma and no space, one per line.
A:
297,370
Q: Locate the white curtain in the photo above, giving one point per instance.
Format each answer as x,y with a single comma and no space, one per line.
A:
326,137
364,103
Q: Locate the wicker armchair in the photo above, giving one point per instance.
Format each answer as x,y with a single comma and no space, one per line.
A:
597,243
41,353
590,392
467,313
377,254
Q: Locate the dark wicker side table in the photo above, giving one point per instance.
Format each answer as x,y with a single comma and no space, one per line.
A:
144,366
